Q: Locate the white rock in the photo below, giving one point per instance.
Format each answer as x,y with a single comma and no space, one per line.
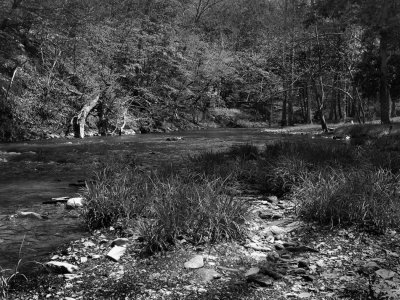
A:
71,276
60,267
195,263
252,271
116,252
29,214
258,256
277,230
74,202
88,244
207,275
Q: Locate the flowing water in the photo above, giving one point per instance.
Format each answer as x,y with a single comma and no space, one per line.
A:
36,171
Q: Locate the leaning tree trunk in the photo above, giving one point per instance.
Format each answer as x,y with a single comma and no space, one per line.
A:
79,121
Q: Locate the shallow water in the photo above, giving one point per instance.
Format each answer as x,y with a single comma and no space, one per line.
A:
36,171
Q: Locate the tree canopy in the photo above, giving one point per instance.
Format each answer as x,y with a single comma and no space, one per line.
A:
151,62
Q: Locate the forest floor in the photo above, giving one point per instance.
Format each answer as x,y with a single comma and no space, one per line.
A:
281,258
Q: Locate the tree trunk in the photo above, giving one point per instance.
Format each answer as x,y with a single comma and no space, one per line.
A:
384,95
271,111
309,111
284,109
320,97
79,121
285,80
393,110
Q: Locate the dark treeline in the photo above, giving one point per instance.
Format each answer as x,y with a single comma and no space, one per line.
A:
142,64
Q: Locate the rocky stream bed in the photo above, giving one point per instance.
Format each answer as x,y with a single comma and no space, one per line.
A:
282,258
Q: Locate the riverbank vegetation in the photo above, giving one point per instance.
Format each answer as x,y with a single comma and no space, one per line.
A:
96,67
331,183
213,203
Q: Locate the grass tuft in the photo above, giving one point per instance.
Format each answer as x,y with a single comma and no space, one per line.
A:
367,197
167,204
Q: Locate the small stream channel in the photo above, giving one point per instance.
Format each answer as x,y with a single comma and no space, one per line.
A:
35,171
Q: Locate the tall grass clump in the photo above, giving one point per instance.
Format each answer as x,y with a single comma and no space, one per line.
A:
239,163
314,152
366,197
244,152
117,190
286,162
196,211
212,164
169,203
114,196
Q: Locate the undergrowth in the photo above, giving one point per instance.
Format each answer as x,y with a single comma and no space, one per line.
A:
336,184
331,183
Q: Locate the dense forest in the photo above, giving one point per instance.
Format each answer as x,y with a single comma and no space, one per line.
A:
106,66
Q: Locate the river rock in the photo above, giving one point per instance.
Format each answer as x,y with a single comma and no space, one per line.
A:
261,280
265,214
29,215
257,247
195,263
252,271
368,268
276,230
74,203
272,199
385,274
174,139
88,244
60,267
116,253
123,242
206,275
303,264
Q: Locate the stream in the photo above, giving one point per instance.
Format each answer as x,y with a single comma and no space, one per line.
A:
36,171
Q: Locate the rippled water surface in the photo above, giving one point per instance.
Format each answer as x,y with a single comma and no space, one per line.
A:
36,171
